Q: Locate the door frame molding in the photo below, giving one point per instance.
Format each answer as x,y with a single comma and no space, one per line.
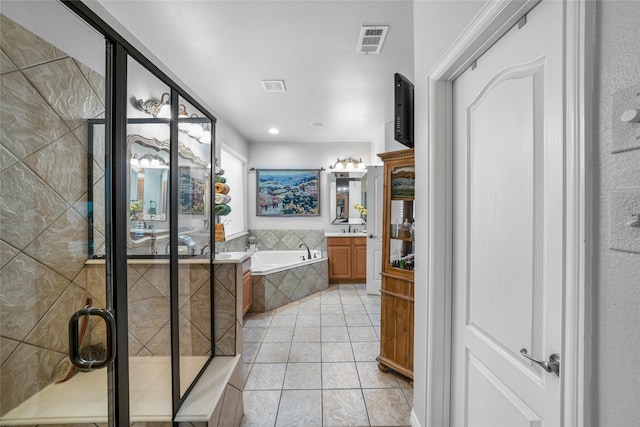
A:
493,21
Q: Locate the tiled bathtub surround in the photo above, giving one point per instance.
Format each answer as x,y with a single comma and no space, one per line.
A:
276,240
277,289
47,98
289,240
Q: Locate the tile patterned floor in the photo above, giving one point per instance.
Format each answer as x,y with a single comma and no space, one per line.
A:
312,363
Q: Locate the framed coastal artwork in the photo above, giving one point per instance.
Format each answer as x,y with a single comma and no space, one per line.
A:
288,192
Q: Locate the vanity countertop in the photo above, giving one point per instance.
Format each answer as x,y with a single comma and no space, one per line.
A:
231,257
345,234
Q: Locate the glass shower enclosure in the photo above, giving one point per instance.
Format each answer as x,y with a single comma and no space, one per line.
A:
105,179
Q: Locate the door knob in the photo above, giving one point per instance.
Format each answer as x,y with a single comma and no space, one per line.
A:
371,236
553,365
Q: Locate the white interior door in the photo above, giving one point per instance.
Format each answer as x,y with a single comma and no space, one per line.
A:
375,182
508,228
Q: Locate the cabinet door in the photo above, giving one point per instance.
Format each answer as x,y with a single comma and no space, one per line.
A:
359,259
339,262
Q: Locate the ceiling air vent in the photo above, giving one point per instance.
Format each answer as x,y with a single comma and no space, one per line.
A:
273,85
371,39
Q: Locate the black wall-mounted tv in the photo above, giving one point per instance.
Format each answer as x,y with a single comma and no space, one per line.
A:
403,111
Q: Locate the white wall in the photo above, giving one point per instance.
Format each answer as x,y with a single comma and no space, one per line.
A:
616,275
436,25
274,155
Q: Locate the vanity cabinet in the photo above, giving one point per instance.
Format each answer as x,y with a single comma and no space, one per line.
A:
397,284
347,259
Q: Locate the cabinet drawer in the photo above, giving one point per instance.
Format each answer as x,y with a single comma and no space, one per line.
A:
338,241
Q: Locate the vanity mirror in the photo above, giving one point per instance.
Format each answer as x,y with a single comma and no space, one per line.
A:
347,189
148,192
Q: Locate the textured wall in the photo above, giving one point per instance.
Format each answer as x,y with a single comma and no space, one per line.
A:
47,98
616,275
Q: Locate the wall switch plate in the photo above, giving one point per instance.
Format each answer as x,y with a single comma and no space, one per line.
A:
625,136
624,235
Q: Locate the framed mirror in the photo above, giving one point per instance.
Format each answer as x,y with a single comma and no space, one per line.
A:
347,189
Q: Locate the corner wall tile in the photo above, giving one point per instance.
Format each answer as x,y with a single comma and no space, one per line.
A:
28,122
47,164
29,288
66,90
7,346
28,207
24,47
6,65
63,245
7,253
27,371
57,319
6,158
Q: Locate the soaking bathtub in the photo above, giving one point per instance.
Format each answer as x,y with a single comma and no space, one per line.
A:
281,277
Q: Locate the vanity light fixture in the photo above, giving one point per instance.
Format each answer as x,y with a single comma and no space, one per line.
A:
158,109
149,161
348,164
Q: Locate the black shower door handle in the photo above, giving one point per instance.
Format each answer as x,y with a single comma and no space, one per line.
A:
74,341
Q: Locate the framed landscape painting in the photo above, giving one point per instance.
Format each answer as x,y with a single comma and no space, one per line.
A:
288,192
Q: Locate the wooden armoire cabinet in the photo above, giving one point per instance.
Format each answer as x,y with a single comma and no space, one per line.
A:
397,289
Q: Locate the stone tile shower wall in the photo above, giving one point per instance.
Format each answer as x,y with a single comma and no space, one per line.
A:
47,98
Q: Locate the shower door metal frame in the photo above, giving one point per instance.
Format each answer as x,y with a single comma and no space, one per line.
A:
118,49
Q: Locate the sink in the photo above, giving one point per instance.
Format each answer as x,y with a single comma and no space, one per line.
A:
345,234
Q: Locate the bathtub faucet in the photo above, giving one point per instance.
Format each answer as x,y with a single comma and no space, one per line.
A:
308,251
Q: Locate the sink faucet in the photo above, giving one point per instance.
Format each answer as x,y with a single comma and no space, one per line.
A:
308,251
203,248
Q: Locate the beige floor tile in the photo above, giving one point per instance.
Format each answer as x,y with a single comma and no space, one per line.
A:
343,408
332,320
307,335
266,376
340,375
303,376
246,369
249,351
308,320
272,352
305,352
365,351
408,394
337,352
357,320
258,320
253,334
362,333
387,407
354,308
331,308
283,321
260,408
300,408
334,334
278,334
372,377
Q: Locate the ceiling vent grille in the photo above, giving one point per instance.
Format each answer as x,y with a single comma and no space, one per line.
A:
273,85
371,39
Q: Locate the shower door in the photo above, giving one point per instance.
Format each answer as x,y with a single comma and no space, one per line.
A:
53,73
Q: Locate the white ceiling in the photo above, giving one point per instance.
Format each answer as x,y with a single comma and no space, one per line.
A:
222,49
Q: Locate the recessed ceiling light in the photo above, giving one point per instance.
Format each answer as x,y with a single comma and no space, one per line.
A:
274,131
317,125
